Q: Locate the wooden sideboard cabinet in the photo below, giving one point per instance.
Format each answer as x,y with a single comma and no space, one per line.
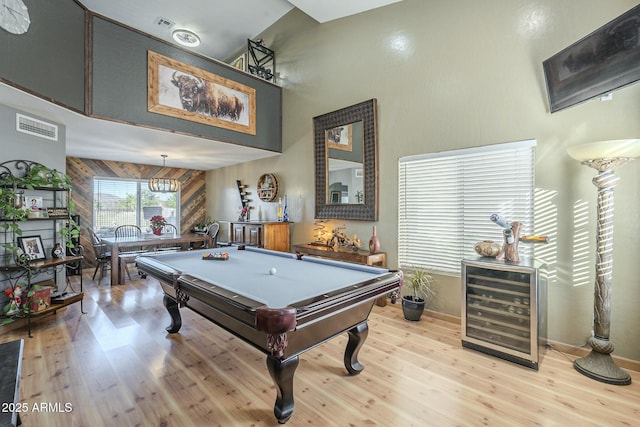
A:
269,235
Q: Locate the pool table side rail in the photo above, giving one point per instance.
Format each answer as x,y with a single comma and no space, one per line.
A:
371,289
157,269
244,309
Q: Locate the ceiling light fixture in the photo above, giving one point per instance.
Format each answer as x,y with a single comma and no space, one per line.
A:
186,37
163,185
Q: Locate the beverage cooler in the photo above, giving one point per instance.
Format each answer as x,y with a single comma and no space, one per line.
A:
504,309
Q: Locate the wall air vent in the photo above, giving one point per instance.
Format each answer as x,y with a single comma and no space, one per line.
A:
35,127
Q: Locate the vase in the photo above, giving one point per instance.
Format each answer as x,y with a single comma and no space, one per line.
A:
157,231
57,252
374,243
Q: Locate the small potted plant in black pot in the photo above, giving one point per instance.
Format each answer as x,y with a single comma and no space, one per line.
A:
418,288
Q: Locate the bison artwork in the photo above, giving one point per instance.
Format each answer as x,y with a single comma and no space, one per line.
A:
203,97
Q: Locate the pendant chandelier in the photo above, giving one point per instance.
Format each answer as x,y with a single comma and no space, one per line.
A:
163,185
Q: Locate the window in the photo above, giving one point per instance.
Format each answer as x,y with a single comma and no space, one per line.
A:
446,200
129,201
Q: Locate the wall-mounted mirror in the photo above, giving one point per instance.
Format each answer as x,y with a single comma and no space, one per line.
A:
346,160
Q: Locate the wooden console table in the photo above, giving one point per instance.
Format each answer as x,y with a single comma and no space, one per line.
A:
360,257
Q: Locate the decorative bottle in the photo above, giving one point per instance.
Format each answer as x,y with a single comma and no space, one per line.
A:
374,243
280,209
57,252
285,210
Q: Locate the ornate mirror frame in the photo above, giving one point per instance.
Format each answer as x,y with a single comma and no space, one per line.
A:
366,112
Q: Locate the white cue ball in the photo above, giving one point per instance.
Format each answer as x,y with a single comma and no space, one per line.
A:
272,271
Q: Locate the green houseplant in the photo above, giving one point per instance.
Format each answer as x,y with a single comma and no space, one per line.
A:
418,288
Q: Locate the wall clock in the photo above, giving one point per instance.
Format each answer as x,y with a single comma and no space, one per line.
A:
14,16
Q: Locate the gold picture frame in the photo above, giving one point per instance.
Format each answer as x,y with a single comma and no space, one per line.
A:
219,102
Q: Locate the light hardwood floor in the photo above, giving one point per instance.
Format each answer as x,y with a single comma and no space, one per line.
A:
116,366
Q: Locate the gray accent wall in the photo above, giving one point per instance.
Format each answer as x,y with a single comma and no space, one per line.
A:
49,59
120,87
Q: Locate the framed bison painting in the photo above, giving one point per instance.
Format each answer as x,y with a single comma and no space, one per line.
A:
179,90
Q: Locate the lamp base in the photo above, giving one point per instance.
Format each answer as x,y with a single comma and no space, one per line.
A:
601,367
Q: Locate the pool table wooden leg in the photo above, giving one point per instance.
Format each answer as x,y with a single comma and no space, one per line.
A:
281,372
172,307
357,336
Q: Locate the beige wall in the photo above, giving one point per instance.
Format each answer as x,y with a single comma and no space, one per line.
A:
449,75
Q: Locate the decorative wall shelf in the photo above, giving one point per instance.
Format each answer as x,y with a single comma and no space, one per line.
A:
267,187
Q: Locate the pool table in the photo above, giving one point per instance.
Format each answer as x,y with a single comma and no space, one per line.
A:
283,304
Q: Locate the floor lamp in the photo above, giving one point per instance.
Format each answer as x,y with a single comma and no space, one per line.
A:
604,156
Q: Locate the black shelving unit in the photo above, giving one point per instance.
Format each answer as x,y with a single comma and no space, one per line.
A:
13,270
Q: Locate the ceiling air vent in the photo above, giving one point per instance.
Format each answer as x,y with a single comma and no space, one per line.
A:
35,127
164,22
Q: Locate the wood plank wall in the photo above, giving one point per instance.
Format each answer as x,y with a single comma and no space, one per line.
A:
82,172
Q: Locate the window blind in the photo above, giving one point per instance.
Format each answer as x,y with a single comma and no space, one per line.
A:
445,201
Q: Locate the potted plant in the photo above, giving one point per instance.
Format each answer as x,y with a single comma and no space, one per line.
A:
203,226
418,284
157,224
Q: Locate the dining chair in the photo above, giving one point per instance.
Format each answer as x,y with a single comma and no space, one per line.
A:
128,230
213,234
101,254
169,229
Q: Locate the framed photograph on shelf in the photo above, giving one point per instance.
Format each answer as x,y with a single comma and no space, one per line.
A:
33,203
34,207
32,246
185,92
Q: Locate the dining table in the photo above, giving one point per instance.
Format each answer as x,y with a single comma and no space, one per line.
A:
147,240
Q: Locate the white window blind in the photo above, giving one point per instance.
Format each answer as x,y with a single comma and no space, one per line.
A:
446,200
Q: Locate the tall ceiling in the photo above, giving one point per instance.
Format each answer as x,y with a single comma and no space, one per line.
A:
223,27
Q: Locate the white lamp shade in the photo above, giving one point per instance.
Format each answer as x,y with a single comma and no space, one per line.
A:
613,149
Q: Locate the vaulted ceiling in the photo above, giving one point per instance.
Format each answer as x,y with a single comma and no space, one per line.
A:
223,27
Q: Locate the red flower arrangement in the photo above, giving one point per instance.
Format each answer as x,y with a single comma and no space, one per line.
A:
158,221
